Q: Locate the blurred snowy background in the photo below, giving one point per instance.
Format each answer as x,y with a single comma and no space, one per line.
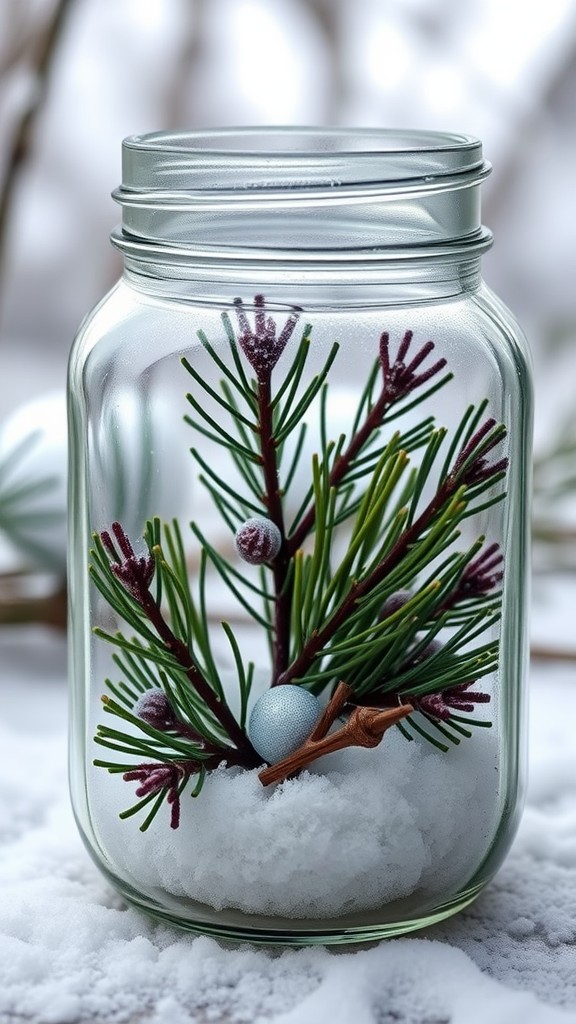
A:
76,76
498,69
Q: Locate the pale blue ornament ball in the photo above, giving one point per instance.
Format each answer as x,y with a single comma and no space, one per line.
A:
281,720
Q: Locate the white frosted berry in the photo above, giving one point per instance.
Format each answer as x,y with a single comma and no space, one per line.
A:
154,708
258,540
281,720
395,602
430,650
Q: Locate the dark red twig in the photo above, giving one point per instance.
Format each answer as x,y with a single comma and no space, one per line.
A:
263,348
154,778
478,579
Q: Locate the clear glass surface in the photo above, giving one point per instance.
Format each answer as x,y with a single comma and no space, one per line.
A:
366,841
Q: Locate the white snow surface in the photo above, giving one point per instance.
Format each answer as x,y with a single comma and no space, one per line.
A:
71,952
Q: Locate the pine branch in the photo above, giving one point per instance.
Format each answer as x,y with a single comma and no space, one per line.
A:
404,617
257,445
263,347
399,381
135,576
433,525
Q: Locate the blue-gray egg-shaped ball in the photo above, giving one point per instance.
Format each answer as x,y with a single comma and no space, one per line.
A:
281,720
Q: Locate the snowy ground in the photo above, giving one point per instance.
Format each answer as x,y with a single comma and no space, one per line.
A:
71,952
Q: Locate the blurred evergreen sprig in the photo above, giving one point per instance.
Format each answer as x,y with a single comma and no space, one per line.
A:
554,500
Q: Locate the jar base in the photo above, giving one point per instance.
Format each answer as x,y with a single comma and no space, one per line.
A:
298,935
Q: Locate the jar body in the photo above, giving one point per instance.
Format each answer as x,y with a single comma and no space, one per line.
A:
397,570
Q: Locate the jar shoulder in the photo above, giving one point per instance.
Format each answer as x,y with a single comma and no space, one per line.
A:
495,313
475,322
102,319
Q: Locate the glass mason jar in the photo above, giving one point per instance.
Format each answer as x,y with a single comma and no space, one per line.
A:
300,430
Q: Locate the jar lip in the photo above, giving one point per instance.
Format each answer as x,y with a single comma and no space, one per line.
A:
259,159
355,143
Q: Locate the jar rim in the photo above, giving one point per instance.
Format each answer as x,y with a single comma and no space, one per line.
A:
264,157
265,190
305,140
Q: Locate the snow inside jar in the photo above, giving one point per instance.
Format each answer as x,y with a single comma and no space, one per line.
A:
297,691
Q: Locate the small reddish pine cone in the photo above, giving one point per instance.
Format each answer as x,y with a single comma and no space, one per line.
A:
258,540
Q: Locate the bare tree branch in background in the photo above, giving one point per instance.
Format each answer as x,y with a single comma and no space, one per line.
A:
17,37
556,654
190,52
564,75
36,50
41,51
327,14
20,605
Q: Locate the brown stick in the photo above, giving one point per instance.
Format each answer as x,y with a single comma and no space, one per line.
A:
339,698
364,728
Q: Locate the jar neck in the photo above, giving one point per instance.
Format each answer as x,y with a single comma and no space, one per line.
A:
359,286
303,202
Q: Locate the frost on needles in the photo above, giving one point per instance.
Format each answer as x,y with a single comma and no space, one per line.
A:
393,628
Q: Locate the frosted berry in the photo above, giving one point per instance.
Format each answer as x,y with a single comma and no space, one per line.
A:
395,602
429,651
432,648
281,720
154,708
258,540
